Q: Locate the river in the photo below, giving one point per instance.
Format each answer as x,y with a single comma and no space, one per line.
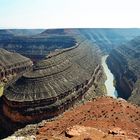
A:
111,91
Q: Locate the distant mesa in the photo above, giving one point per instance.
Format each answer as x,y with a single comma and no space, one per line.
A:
54,31
36,44
67,31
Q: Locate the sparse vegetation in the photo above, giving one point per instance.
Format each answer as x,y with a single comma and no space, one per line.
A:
1,89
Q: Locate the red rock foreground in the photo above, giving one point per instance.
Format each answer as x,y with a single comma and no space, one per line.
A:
102,118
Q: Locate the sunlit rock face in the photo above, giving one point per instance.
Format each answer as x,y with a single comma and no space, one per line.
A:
100,119
54,85
124,63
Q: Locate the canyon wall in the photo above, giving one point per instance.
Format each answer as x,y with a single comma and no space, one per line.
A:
37,46
124,63
55,84
12,64
106,39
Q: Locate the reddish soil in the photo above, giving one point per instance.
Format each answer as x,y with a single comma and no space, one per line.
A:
102,118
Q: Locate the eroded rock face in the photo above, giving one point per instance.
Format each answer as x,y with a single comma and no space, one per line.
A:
124,63
54,85
38,46
79,132
103,118
106,39
12,64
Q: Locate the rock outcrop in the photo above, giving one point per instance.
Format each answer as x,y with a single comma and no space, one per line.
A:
12,64
124,63
102,118
54,85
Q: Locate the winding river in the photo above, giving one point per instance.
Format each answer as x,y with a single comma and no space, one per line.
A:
111,91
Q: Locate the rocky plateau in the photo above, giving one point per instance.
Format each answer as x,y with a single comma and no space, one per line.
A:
102,118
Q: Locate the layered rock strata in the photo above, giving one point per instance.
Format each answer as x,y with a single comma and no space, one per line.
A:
12,64
124,63
54,85
38,46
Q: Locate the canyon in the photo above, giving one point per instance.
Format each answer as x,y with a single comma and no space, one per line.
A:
67,68
53,84
124,64
36,44
49,89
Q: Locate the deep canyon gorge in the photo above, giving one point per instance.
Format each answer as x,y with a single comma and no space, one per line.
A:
53,71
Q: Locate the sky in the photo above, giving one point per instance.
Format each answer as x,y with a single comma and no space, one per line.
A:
69,13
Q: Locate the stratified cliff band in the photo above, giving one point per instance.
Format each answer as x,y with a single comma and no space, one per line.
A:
124,63
54,85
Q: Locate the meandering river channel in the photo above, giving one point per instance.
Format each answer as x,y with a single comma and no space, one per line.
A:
111,91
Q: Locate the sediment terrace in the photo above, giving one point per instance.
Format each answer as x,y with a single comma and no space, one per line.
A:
55,84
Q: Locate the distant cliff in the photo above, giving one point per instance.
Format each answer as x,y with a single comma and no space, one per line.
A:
36,44
124,63
106,39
